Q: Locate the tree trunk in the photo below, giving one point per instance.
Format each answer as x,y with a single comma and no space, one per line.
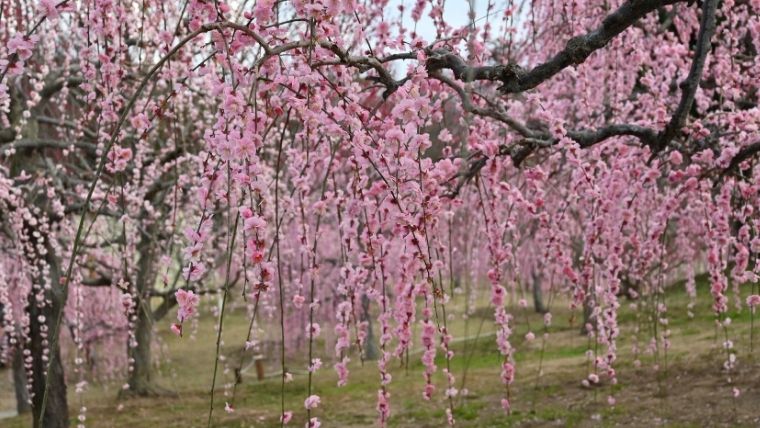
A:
19,383
371,352
43,315
538,296
56,408
140,380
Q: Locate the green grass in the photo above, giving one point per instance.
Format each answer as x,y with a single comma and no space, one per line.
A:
688,389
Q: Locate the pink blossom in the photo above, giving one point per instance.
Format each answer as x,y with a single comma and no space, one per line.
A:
48,9
245,212
753,301
341,368
21,46
508,373
312,402
383,405
263,10
255,223
675,158
194,271
177,329
166,37
313,330
118,158
187,301
298,301
316,364
140,122
427,392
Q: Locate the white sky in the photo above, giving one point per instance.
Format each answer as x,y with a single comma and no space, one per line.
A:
455,14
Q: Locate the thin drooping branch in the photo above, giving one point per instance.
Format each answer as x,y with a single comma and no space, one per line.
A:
690,85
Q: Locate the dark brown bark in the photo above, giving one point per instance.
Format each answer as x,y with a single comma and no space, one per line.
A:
56,407
538,295
515,80
690,85
371,353
19,383
141,378
48,380
141,382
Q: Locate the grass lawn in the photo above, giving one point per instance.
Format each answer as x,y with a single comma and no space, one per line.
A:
686,388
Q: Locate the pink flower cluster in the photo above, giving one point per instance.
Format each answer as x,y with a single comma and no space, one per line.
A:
118,158
187,301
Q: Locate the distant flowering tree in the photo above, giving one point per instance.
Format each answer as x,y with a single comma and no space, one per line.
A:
335,163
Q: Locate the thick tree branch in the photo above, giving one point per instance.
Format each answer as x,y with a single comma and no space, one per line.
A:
66,124
587,138
744,154
77,208
525,147
101,281
57,84
364,64
7,135
493,113
514,79
45,143
690,85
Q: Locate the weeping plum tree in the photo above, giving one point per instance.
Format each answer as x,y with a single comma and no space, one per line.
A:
346,166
